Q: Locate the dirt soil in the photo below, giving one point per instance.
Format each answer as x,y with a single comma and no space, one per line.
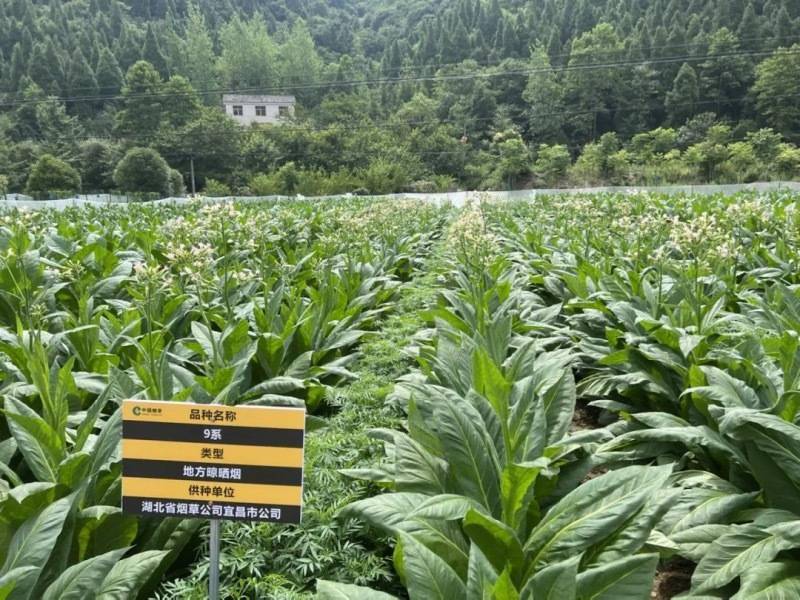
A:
585,417
672,578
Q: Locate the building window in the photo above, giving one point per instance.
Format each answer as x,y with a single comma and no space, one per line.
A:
238,111
284,111
261,111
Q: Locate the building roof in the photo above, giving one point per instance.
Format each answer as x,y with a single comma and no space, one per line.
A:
256,99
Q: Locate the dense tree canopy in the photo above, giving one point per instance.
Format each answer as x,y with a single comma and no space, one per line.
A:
445,80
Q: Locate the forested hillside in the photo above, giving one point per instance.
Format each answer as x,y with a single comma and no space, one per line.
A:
462,92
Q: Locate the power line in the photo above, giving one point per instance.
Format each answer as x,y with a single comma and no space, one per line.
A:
489,63
400,80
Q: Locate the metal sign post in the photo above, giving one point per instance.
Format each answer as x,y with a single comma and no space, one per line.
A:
213,567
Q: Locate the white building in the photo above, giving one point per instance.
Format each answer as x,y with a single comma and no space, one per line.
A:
247,110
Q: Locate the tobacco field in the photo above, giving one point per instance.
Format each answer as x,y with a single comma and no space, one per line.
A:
590,397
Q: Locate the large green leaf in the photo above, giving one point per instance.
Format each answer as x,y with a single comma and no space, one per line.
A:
21,578
331,590
703,506
446,507
634,533
104,528
497,541
593,512
488,380
474,465
106,446
427,576
740,550
481,576
517,490
82,580
41,447
129,575
770,439
694,543
630,578
385,511
34,541
771,581
504,588
559,581
416,469
446,539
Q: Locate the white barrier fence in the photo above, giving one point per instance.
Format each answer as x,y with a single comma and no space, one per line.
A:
455,198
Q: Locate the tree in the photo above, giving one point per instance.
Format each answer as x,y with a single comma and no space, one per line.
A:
766,145
775,91
81,82
142,170
709,154
300,63
748,27
59,131
212,139
51,174
552,163
96,159
140,117
681,101
180,103
108,74
513,160
545,97
128,48
788,162
151,52
44,68
17,68
199,60
177,187
468,103
724,76
600,161
593,93
26,125
249,56
742,164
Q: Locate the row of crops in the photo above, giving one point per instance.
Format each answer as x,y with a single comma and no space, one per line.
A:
259,305
596,397
670,325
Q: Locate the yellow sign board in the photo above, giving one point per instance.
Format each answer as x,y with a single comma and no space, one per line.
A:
206,461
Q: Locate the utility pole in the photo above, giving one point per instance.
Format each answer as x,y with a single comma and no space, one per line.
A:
194,186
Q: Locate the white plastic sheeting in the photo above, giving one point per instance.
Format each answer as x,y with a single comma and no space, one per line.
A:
455,198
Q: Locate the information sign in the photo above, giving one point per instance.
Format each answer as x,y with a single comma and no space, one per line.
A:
204,461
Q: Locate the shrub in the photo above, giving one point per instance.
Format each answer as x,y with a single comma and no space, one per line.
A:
788,162
50,174
142,170
288,179
445,183
3,185
552,163
177,187
340,182
312,183
384,177
422,187
96,160
263,185
216,189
